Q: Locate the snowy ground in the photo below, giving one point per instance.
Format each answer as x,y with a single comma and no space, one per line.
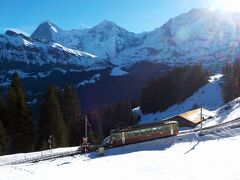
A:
226,113
190,158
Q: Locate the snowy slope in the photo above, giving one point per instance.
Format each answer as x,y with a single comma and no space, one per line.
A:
209,97
226,113
191,158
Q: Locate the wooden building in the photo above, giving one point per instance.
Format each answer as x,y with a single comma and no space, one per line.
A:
190,118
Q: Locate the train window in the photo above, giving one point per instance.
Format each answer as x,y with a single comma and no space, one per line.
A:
130,134
115,136
148,131
143,131
136,133
154,129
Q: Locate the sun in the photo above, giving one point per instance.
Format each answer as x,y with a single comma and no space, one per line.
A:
225,5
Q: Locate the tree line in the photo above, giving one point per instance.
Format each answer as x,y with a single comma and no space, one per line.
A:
60,117
231,85
172,88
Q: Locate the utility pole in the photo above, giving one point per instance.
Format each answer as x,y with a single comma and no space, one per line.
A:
86,122
201,116
85,139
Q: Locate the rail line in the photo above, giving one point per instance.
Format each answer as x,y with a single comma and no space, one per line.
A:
207,130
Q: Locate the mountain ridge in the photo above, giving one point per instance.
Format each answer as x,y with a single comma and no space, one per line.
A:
200,35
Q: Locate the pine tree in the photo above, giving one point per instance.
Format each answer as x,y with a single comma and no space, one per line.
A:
4,140
172,88
231,86
51,120
20,125
72,115
4,116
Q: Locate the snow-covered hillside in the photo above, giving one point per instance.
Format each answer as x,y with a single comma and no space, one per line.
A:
209,97
184,158
226,113
209,37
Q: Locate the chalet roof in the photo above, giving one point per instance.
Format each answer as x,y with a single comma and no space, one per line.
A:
194,116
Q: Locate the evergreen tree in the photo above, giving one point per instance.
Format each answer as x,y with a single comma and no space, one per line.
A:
20,125
51,120
172,88
4,116
72,115
4,140
231,85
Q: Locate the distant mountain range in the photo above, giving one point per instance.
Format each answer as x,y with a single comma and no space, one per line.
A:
109,59
209,37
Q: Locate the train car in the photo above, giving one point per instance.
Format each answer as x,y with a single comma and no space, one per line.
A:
140,133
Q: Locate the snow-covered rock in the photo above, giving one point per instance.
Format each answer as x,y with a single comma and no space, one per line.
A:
117,71
92,80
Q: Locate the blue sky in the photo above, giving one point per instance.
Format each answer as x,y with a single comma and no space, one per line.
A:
133,15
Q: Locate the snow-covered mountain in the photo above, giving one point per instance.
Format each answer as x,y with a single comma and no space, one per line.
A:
209,37
105,40
18,48
46,30
199,36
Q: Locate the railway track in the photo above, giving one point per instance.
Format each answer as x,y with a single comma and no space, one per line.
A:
207,130
40,157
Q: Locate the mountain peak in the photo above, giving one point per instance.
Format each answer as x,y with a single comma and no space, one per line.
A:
45,30
107,22
107,26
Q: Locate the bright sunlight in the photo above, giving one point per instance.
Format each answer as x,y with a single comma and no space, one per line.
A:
226,5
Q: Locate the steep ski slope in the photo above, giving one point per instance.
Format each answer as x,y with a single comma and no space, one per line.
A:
209,97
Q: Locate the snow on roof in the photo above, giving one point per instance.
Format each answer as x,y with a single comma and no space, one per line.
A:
195,115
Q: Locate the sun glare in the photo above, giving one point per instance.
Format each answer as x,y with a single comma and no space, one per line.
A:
225,5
